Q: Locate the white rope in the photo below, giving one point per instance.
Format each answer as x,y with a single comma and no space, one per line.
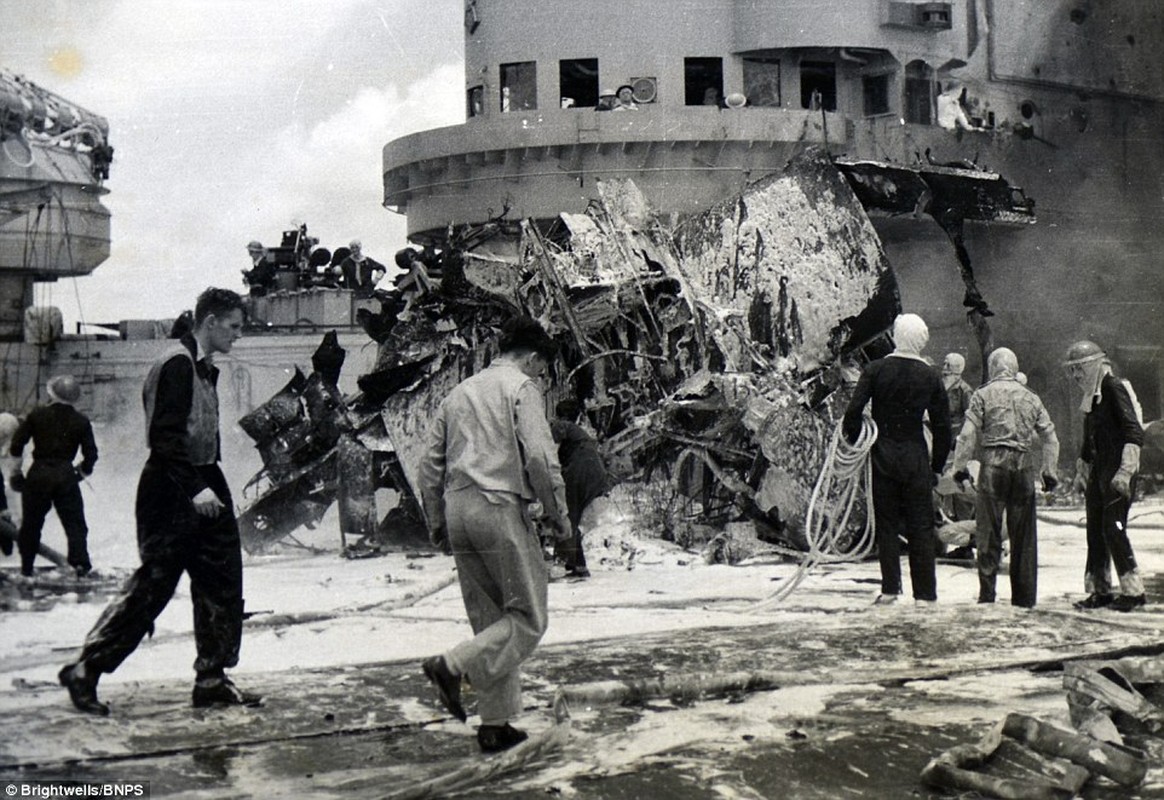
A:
846,475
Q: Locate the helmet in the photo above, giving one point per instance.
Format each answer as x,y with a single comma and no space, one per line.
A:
64,389
405,257
1002,362
954,364
1083,352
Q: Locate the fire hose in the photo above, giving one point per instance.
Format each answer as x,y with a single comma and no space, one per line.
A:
845,479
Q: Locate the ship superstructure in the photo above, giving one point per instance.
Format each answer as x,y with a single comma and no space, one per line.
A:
55,159
1062,98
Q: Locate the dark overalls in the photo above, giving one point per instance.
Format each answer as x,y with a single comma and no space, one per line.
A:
902,390
57,432
1111,423
182,409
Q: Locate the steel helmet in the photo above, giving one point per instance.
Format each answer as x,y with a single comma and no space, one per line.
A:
1083,352
64,389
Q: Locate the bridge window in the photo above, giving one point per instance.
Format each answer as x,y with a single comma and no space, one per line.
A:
818,85
578,82
762,81
519,86
875,89
919,93
700,75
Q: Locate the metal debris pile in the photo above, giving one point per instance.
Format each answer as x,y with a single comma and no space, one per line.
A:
1115,707
712,352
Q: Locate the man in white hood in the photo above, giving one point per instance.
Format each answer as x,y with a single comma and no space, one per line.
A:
1112,437
903,387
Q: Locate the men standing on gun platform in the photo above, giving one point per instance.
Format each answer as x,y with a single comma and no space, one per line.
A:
185,521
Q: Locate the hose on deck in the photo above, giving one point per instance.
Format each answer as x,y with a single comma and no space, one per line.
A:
846,478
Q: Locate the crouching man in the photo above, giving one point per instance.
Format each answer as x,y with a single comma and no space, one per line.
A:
490,455
1004,415
185,521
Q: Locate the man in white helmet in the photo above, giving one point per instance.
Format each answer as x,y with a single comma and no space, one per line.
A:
1003,416
960,504
903,387
957,390
1110,459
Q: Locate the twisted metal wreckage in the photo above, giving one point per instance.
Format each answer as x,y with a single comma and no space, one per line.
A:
714,349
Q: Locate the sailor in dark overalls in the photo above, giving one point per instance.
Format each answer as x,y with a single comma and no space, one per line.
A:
57,431
185,521
903,388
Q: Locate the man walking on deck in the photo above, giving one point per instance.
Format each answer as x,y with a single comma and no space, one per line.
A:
185,521
490,455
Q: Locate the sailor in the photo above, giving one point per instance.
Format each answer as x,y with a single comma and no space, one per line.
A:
607,100
261,276
625,97
903,387
586,479
957,390
1004,416
261,280
1108,463
490,455
57,431
185,521
360,273
958,504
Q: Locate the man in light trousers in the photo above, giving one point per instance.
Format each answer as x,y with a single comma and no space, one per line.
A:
490,455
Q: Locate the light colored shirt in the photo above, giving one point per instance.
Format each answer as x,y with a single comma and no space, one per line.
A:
491,434
1004,413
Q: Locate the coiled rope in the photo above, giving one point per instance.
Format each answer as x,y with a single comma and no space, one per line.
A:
846,477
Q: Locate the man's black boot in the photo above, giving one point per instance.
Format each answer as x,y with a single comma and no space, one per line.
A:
495,738
223,693
1128,602
448,685
1096,600
82,686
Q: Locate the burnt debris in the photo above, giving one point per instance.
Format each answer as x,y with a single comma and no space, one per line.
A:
713,351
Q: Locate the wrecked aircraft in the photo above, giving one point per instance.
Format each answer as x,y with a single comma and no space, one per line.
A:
713,350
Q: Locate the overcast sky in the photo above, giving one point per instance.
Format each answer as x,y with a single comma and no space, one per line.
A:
232,120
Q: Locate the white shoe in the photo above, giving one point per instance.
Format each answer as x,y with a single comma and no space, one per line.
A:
919,602
885,599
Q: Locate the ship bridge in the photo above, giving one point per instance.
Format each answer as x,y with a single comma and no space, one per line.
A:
683,159
724,92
